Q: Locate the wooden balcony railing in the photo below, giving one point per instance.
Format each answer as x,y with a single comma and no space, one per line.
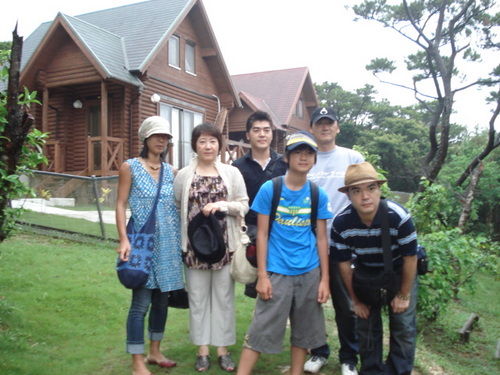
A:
232,150
113,151
54,151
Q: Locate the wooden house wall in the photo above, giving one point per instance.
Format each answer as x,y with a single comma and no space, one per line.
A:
69,66
300,123
196,89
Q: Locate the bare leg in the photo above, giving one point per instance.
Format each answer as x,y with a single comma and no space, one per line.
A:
248,359
139,365
203,350
155,355
221,350
297,360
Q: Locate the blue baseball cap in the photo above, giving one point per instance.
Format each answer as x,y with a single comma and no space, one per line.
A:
301,138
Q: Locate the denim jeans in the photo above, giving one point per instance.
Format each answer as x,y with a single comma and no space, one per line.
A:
402,343
142,298
345,319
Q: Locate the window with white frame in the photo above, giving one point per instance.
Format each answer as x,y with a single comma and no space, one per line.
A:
190,57
182,123
174,51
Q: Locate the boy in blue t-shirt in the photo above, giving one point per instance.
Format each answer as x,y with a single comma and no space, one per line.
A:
293,278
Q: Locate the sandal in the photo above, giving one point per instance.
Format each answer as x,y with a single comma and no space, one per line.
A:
202,363
226,363
168,363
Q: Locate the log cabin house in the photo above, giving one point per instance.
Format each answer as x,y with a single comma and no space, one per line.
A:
100,74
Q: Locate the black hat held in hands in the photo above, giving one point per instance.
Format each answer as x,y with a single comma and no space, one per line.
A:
206,239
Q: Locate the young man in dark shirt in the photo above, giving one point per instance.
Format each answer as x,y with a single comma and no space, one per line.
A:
261,163
257,166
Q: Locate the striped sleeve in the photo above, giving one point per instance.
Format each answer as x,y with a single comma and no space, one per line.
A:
407,234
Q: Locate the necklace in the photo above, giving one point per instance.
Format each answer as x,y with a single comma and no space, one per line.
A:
152,166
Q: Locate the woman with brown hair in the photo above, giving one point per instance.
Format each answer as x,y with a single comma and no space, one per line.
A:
210,187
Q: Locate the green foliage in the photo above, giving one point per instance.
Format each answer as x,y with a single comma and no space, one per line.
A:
30,157
5,46
455,257
381,65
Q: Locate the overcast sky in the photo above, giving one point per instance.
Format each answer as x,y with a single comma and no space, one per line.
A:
262,35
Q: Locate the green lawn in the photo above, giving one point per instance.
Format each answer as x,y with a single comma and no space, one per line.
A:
63,311
82,226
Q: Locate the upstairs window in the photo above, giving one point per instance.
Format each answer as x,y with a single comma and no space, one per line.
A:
299,109
174,51
190,57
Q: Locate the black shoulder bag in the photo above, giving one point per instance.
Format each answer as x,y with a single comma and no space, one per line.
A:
376,286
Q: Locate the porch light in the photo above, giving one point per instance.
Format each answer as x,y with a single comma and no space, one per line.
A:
77,104
155,98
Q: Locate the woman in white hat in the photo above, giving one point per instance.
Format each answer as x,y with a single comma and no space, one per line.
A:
138,187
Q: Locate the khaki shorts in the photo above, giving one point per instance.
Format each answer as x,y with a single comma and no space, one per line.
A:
294,297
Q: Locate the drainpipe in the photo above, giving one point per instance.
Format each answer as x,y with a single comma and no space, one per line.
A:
218,103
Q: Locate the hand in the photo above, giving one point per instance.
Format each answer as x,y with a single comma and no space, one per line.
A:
124,250
361,310
264,288
399,305
323,292
210,208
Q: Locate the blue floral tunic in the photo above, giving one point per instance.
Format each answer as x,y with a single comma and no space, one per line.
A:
166,273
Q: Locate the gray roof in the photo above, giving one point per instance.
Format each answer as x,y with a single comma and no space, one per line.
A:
122,39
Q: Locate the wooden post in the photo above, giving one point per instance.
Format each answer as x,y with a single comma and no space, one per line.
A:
104,129
467,328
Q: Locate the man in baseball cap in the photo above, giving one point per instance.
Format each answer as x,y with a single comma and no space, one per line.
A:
324,112
328,172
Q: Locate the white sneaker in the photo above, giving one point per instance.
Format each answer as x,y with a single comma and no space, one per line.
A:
314,364
348,369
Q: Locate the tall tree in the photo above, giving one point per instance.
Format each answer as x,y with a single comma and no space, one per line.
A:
20,145
445,32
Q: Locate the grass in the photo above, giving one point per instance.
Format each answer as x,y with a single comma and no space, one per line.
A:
62,310
85,227
477,355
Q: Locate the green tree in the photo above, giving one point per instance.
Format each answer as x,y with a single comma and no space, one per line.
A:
20,145
445,32
5,46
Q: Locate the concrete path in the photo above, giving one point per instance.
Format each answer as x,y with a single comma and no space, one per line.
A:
108,217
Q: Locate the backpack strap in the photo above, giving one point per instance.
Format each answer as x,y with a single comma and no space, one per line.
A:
386,235
314,205
277,185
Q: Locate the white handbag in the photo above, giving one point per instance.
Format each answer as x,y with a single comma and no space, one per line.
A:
241,269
